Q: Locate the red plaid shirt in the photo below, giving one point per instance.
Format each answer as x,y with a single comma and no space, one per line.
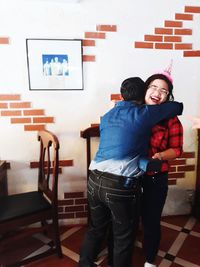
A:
167,134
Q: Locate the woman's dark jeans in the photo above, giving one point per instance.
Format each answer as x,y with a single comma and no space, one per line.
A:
111,202
154,195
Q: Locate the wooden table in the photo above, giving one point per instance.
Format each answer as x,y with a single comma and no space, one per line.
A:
3,178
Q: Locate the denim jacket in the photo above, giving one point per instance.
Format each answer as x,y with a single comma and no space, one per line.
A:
125,132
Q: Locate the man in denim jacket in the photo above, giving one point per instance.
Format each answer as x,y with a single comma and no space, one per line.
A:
124,136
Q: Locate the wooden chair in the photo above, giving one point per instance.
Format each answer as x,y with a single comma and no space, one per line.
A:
92,131
20,210
88,133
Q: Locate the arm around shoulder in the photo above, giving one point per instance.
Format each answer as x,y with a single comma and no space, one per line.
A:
179,107
175,108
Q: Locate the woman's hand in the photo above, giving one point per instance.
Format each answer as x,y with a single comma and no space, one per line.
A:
165,155
158,156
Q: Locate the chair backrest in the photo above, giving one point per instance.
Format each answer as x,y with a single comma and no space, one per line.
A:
48,165
19,211
92,131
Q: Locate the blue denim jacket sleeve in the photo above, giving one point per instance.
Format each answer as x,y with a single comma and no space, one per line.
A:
155,113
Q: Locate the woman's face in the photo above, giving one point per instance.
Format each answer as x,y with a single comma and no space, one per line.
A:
157,92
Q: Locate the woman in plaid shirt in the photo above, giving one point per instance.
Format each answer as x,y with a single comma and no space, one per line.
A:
165,144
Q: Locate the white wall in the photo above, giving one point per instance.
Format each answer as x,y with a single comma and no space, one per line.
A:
116,59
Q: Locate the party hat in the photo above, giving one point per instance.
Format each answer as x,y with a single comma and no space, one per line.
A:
167,71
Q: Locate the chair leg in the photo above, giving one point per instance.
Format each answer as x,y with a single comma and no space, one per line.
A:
57,238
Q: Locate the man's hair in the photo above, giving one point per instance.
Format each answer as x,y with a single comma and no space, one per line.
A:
164,78
133,89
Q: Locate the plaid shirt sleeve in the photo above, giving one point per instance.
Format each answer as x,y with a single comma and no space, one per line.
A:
167,135
175,139
164,136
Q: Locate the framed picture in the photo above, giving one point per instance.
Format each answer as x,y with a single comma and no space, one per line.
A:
54,64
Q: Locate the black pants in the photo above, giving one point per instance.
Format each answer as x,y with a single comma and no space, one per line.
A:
153,199
111,202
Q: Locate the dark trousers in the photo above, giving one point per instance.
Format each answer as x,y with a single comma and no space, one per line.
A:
153,199
111,202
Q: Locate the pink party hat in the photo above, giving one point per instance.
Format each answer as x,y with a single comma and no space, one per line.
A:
167,71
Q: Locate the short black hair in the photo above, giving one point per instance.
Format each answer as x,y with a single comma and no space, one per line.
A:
161,76
133,89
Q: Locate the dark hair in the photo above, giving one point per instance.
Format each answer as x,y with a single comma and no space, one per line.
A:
133,89
164,78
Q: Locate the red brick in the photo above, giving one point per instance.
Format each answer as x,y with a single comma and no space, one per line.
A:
34,127
163,31
106,28
9,97
81,201
143,45
177,162
89,58
4,40
192,9
11,113
20,120
172,39
163,46
34,112
186,168
89,42
66,163
65,202
115,97
34,164
182,16
74,208
183,46
188,155
153,38
177,175
95,35
20,105
3,105
43,120
191,53
173,23
182,31
172,169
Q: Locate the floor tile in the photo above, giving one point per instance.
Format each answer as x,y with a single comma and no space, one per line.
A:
180,246
176,220
190,250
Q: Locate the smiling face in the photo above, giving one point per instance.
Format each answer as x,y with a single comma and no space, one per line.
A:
157,92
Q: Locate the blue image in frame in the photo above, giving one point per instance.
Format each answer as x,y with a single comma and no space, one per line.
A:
55,65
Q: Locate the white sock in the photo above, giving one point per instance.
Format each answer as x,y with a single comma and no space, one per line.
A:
149,265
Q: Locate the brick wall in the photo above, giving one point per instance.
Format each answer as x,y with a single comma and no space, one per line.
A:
22,112
170,35
73,206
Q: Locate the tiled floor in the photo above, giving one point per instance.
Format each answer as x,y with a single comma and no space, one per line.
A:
180,246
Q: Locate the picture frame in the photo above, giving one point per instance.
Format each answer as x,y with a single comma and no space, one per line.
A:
54,64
